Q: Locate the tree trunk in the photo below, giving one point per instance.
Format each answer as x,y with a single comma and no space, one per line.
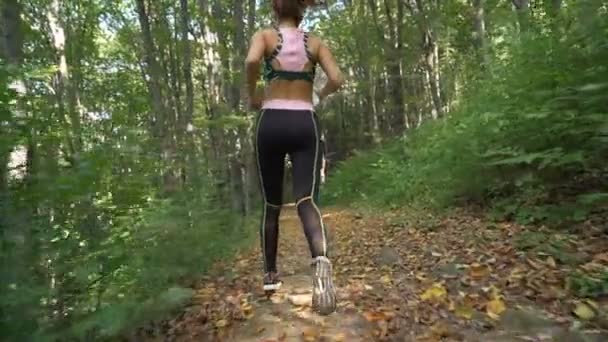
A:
401,53
395,84
479,24
554,11
187,116
430,58
240,146
251,17
211,95
522,9
65,90
160,131
11,48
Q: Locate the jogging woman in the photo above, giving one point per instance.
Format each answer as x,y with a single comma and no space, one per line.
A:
288,125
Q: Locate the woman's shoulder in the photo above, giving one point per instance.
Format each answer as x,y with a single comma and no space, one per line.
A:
314,40
269,29
265,32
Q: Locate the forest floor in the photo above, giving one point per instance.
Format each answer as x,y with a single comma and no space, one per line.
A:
451,278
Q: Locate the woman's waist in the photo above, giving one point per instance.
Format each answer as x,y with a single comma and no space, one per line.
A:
294,104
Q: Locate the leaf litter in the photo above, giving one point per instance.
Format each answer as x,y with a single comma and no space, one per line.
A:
461,281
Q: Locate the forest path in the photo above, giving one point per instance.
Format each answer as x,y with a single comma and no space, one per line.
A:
454,278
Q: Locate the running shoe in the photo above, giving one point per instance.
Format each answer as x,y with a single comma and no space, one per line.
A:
272,282
323,291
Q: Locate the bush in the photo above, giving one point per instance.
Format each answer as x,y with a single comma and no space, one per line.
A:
139,271
528,138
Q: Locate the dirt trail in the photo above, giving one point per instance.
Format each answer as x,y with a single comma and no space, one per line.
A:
287,315
454,278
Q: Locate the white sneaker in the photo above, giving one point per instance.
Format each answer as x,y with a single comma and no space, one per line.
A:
323,291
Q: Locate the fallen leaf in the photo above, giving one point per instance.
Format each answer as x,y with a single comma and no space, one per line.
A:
471,300
584,311
602,257
495,307
516,274
383,325
464,311
310,334
592,303
300,300
435,292
374,316
386,279
221,323
441,329
536,265
421,276
341,337
389,315
478,271
247,310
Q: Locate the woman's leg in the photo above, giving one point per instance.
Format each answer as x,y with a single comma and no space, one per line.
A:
270,162
306,174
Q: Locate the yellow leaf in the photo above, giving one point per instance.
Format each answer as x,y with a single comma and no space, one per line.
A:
435,292
339,337
247,310
386,279
221,323
593,304
495,307
463,311
584,311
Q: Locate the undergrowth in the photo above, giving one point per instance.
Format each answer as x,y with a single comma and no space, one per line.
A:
528,140
140,272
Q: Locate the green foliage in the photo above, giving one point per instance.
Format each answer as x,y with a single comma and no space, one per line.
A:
91,246
527,138
558,246
584,285
126,278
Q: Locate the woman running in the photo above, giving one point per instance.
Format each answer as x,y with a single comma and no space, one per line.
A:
288,125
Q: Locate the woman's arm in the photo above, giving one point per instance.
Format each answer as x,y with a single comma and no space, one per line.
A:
252,66
334,75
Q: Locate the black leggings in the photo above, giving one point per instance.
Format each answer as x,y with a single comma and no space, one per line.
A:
295,133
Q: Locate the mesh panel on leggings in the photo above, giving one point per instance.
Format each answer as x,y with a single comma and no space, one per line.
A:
313,227
270,237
